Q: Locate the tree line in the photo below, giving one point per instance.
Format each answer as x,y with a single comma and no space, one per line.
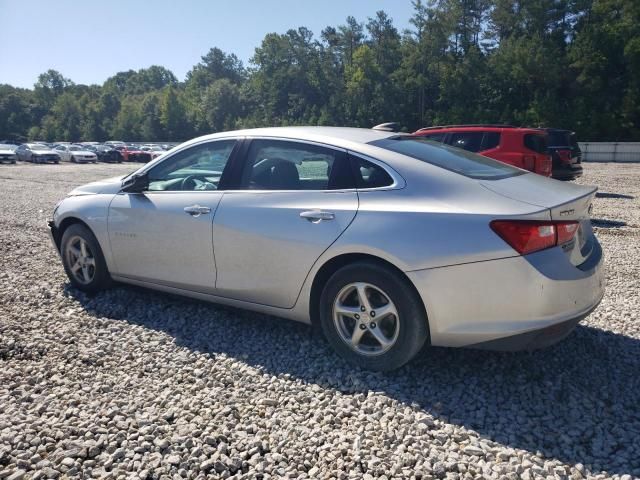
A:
564,63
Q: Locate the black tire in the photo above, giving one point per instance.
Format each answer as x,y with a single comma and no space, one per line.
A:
101,279
72,159
413,325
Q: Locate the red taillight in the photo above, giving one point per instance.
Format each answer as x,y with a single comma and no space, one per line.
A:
565,156
546,165
526,236
566,231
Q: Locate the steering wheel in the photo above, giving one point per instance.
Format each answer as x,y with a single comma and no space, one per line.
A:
189,182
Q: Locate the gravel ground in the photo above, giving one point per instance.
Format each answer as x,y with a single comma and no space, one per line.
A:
136,384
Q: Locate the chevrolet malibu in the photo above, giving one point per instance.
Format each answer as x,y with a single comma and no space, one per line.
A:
386,241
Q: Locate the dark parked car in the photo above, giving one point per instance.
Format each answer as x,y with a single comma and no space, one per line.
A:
106,153
566,155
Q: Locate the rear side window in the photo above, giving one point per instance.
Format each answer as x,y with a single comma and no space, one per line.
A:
287,165
369,175
469,141
455,160
534,142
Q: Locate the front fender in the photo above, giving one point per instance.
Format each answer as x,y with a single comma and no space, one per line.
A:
93,211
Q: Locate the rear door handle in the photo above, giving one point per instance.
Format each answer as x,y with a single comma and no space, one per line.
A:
196,210
316,216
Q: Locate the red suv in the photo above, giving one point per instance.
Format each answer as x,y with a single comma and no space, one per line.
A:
521,147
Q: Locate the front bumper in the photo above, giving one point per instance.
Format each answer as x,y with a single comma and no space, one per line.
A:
53,235
539,298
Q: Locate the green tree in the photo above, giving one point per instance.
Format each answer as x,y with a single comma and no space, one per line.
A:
173,115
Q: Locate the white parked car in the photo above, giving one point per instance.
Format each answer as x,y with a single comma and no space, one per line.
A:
76,154
154,150
8,153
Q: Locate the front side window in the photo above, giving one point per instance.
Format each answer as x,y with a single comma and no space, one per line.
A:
196,168
287,165
435,137
456,160
469,141
490,140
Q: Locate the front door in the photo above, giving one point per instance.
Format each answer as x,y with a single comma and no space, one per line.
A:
295,201
164,235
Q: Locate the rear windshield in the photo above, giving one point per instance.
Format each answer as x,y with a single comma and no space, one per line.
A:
558,138
452,159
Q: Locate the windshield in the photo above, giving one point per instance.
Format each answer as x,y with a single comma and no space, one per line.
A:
453,159
37,146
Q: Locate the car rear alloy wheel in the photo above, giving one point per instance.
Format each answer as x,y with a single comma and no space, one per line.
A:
83,259
366,319
372,316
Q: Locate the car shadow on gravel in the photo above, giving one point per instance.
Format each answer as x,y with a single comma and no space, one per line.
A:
614,195
577,401
605,223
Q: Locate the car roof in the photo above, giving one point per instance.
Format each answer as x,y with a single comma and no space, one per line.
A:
337,136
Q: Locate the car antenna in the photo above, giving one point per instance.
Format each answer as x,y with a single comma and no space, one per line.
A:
387,127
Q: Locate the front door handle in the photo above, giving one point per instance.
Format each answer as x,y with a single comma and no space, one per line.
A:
196,210
316,216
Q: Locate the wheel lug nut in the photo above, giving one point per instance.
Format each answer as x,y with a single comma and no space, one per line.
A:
373,313
362,309
372,325
357,316
362,326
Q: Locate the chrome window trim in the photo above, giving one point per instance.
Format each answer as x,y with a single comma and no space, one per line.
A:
398,181
162,158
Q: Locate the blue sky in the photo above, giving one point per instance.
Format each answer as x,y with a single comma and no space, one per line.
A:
89,40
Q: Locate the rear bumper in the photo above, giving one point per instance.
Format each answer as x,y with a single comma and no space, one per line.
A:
567,172
512,303
535,339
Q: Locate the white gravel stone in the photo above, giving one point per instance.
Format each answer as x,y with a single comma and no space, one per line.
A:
132,383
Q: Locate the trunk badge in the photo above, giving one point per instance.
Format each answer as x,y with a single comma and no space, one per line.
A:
565,213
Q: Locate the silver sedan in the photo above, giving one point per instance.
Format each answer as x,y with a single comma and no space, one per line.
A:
388,242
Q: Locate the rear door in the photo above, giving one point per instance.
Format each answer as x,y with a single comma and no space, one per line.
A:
294,199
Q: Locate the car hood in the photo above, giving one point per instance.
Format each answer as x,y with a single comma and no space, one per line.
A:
44,152
108,185
81,152
6,151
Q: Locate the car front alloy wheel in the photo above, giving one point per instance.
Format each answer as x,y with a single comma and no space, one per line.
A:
83,259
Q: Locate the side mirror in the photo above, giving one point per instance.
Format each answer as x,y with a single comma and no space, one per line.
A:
136,183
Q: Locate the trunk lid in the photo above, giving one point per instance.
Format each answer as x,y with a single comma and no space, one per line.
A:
565,202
